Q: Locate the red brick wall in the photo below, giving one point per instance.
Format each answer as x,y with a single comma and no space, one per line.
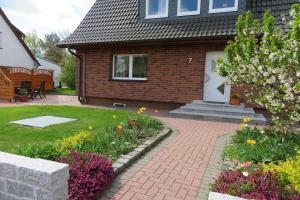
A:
171,78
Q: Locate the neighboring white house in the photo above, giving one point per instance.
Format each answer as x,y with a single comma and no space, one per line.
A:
45,64
15,53
13,50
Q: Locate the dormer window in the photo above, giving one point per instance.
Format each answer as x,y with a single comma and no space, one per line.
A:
218,6
188,7
156,8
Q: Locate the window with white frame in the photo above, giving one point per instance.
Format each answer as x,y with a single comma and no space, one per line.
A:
157,8
188,7
130,67
217,6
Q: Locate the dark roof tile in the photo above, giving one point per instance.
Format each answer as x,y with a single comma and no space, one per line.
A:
110,21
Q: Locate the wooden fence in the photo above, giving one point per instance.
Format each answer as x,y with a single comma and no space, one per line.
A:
11,77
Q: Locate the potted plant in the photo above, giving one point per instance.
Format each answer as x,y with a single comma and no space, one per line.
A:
23,95
235,100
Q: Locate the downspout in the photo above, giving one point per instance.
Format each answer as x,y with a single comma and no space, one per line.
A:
81,97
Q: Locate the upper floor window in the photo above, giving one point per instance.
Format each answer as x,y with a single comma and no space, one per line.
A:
156,8
217,6
188,7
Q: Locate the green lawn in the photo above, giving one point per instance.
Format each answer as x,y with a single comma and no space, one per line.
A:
64,91
13,135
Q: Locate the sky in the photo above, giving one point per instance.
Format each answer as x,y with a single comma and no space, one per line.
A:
46,16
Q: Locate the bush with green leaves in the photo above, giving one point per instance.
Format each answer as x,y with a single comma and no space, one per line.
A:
266,59
262,146
116,140
69,71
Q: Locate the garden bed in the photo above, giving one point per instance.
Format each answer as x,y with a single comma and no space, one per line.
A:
89,145
261,165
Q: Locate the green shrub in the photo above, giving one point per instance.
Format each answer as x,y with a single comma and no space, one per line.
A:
289,172
47,151
261,146
69,71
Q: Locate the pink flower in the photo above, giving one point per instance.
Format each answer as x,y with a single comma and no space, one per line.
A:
248,164
240,165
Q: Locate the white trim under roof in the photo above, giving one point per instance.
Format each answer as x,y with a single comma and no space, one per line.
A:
196,12
221,10
165,14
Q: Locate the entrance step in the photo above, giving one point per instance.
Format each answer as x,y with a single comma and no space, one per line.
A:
220,112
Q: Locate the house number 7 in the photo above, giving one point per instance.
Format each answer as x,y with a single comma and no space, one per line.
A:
190,60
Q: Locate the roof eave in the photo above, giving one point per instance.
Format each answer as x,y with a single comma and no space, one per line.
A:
189,39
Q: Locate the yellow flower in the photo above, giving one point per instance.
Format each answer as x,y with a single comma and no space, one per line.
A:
114,116
243,125
143,109
90,128
120,127
156,111
247,120
251,142
139,112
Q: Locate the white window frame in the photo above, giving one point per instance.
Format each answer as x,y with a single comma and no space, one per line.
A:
130,78
166,14
179,13
221,10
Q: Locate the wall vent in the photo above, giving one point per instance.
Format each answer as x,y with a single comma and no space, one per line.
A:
119,105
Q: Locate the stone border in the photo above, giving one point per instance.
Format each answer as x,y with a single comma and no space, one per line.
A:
215,166
130,172
125,161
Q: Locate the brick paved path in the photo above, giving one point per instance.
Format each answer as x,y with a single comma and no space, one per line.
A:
176,171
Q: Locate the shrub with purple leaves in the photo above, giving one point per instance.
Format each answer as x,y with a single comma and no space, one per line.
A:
90,174
254,184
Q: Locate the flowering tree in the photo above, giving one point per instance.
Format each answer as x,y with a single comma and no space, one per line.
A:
266,59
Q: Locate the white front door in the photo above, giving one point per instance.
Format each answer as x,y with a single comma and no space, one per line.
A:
216,87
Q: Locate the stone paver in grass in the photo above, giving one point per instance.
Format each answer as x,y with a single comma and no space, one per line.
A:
43,122
175,169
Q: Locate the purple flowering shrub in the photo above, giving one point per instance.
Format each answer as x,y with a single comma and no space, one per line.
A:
90,174
255,184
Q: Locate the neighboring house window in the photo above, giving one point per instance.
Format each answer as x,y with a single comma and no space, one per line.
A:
130,67
157,8
188,7
217,6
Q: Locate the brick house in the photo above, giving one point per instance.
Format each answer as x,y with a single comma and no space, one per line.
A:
159,50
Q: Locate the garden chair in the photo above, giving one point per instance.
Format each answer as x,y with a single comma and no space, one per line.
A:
27,85
41,90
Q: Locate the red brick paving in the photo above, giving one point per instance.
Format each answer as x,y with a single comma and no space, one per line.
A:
51,100
177,171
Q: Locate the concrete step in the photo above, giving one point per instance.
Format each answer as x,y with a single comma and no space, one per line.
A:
199,102
247,112
221,112
256,119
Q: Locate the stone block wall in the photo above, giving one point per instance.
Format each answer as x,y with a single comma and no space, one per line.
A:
23,178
